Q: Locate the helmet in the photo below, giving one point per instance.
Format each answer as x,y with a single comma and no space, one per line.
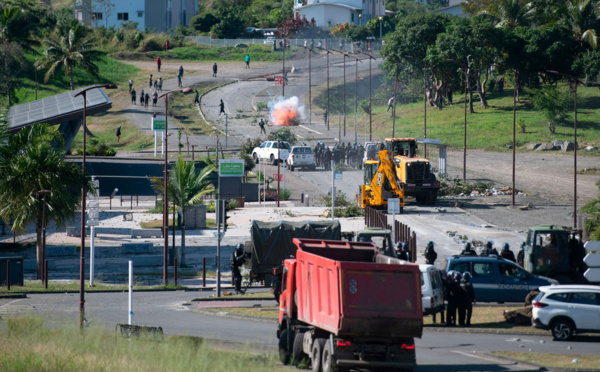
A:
522,244
467,246
405,246
399,245
466,277
239,247
450,274
457,276
505,247
489,244
431,244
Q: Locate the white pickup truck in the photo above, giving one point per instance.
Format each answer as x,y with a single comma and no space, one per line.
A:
269,151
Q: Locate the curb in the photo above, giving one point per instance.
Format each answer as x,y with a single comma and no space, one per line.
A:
213,299
234,316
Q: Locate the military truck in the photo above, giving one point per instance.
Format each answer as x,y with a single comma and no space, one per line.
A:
413,171
554,252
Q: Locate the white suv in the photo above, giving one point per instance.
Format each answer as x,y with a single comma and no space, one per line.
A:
301,156
566,309
270,151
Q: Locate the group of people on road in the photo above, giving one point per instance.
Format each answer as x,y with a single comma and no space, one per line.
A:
460,296
349,154
489,250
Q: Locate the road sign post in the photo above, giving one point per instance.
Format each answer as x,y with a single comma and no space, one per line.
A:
393,208
158,125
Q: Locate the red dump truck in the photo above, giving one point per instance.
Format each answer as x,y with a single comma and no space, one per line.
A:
345,306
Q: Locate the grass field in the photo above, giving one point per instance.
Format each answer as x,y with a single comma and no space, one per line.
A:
27,345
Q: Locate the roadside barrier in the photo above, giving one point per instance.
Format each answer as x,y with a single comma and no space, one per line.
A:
377,218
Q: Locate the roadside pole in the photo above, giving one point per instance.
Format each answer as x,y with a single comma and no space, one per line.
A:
226,120
332,189
130,313
218,263
393,208
92,254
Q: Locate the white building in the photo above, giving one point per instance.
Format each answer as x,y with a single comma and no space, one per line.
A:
160,15
328,13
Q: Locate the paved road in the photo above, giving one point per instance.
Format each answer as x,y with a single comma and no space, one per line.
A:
436,351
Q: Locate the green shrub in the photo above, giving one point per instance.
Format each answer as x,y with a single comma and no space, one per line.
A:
283,134
343,207
285,194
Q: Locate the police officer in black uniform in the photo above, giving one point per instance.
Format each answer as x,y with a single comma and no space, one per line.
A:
237,259
507,254
468,251
468,297
430,253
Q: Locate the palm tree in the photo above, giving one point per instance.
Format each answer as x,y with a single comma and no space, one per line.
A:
72,48
28,164
582,16
512,13
186,188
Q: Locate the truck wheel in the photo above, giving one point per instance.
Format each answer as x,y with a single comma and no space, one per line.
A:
328,361
291,168
255,157
431,198
284,352
273,161
316,353
298,356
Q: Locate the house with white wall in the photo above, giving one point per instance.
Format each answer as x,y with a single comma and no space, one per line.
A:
328,13
159,15
453,8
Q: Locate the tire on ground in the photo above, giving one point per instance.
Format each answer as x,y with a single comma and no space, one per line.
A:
284,352
316,352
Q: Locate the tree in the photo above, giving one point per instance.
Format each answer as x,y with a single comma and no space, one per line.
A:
72,48
107,8
592,223
511,13
185,188
28,164
555,103
230,24
297,27
582,17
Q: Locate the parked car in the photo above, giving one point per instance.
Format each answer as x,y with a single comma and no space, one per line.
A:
269,151
496,279
301,156
432,289
371,151
566,309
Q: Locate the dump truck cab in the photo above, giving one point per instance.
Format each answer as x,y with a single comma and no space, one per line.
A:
554,252
412,170
382,238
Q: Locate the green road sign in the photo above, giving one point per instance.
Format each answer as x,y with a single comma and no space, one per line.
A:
231,168
159,124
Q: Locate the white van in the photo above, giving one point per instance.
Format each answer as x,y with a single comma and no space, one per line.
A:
432,289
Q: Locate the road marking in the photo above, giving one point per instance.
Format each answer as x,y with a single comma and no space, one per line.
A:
312,130
489,359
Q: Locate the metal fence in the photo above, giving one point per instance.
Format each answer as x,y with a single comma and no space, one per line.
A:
346,45
377,218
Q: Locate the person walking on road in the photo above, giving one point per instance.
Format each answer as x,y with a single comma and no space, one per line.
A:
468,297
146,99
261,124
179,80
130,84
142,98
150,82
160,84
325,116
133,98
247,59
390,104
181,71
221,108
158,63
118,133
197,98
236,261
154,98
215,70
430,253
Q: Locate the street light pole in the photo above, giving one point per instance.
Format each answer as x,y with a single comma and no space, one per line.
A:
43,194
283,74
83,93
166,182
345,94
380,27
309,86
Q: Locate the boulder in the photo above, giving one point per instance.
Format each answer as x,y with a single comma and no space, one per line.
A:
590,148
557,143
509,147
519,316
533,146
544,147
241,45
568,145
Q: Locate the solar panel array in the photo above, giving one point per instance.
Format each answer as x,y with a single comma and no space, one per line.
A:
57,109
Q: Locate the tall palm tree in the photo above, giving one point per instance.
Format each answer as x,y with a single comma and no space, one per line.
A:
28,164
186,188
582,17
73,47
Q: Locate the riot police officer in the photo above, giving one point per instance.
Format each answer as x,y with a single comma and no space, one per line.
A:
507,254
430,253
237,259
468,251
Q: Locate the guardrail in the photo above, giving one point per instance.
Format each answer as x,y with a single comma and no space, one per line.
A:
377,218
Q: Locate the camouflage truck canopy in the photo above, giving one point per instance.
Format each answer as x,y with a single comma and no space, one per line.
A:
272,241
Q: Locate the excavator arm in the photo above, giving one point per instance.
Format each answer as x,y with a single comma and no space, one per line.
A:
383,185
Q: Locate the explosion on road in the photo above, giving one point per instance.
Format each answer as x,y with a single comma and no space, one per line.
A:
286,112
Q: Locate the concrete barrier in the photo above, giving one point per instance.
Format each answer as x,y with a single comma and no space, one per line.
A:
61,250
146,233
138,248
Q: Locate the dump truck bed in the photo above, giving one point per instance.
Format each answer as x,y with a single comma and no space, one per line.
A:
347,288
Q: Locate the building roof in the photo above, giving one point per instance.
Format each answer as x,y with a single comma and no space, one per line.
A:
330,4
57,109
